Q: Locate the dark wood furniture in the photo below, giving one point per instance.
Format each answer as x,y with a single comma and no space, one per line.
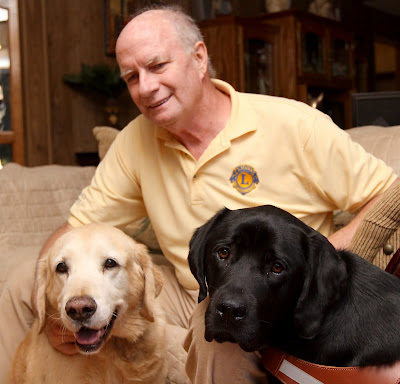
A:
291,54
12,136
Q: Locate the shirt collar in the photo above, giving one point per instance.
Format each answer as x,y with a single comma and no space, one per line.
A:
242,120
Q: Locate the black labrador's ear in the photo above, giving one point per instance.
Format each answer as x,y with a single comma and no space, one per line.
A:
197,253
324,284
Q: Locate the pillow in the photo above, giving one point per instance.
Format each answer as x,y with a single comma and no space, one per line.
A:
382,142
104,136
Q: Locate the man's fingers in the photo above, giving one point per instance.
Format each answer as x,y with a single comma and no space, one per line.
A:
60,338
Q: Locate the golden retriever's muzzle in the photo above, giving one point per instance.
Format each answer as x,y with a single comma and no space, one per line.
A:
80,310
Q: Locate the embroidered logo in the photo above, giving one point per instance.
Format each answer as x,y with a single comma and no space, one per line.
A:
244,179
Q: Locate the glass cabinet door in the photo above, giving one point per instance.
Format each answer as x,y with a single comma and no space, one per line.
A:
312,53
261,59
259,66
11,137
340,57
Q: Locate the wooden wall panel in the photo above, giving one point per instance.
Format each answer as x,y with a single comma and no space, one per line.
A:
75,36
35,83
59,36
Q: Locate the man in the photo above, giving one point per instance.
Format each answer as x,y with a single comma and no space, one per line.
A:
199,146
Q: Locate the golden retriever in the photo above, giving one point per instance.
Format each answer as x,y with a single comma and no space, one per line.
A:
102,286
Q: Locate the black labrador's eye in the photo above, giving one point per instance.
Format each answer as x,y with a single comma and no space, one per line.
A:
277,267
223,253
61,268
110,263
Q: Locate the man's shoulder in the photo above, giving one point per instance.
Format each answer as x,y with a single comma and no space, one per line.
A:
138,128
279,103
279,110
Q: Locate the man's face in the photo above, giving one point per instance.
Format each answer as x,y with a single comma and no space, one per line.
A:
163,79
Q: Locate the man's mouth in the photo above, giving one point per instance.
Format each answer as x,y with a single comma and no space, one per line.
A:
90,340
160,103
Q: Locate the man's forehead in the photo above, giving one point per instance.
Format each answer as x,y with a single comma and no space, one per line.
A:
155,34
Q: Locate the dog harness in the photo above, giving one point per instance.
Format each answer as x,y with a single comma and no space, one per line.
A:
394,264
291,370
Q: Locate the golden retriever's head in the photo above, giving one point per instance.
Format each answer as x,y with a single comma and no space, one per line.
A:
99,282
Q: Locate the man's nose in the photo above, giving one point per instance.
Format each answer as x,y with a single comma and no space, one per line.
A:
148,84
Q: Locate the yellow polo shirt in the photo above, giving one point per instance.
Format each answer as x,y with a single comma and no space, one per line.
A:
272,151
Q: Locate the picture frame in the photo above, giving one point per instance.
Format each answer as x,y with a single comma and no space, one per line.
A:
117,14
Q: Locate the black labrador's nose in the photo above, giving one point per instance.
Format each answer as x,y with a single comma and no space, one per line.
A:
80,308
231,309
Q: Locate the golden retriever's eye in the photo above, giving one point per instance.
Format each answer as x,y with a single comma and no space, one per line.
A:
110,263
62,268
277,267
223,253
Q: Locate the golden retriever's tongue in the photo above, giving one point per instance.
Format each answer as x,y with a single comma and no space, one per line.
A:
88,336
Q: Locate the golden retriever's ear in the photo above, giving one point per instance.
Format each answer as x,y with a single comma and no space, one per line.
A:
40,286
153,281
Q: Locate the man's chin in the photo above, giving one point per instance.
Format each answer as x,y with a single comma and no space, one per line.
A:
166,121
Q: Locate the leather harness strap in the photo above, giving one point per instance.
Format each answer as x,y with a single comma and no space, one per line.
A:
394,265
291,370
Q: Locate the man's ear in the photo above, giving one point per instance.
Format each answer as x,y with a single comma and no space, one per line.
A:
201,54
325,282
197,252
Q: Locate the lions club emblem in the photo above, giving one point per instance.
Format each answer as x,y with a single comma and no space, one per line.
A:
244,179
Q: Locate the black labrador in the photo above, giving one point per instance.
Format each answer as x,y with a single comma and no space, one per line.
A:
275,281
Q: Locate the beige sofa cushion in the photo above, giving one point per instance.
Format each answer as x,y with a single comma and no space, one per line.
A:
34,202
383,142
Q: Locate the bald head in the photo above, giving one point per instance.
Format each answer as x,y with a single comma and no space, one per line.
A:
169,21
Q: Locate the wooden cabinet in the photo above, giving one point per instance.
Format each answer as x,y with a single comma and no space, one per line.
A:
291,54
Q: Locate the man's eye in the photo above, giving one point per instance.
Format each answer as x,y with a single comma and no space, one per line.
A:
223,253
159,66
131,78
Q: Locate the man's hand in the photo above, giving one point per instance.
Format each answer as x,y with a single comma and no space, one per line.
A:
60,338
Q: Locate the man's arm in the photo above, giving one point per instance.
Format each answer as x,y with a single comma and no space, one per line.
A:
341,238
59,337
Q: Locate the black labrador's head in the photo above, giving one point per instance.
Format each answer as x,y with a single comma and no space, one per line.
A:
268,275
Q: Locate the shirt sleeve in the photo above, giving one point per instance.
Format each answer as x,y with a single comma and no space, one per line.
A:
344,174
114,196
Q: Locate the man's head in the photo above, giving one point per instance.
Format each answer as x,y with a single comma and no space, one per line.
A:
163,59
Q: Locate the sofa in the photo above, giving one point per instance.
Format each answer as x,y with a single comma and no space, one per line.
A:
35,201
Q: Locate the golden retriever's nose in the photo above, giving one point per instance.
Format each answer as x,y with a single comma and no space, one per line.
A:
80,308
